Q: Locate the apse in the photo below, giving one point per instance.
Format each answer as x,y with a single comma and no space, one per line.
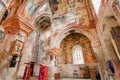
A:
76,46
76,57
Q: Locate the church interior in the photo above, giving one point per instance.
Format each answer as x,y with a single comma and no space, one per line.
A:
59,39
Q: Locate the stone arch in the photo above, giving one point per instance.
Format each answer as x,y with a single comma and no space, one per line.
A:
67,48
109,23
43,18
34,19
90,34
41,11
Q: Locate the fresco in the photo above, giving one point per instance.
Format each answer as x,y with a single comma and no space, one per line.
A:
2,36
2,11
69,17
31,6
54,5
76,39
43,27
44,45
118,4
6,2
1,5
17,48
71,13
43,23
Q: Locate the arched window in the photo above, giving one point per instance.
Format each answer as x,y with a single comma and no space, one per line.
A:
77,54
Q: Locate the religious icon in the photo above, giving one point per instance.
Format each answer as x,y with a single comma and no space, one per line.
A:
2,35
17,48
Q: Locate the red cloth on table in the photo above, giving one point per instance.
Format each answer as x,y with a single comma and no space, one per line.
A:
25,71
43,73
46,73
28,74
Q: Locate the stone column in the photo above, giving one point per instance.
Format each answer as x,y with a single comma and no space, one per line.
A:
100,58
52,69
15,25
52,52
5,54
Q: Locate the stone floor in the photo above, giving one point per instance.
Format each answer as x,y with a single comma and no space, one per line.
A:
73,79
33,78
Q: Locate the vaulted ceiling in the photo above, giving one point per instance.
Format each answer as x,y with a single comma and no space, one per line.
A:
60,13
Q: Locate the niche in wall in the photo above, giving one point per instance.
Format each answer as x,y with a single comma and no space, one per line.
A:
13,61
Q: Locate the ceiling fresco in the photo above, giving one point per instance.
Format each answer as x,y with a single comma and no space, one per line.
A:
30,8
6,2
32,5
2,11
54,5
69,12
63,12
1,5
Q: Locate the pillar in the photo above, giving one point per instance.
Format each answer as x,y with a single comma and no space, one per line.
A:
52,52
100,58
15,26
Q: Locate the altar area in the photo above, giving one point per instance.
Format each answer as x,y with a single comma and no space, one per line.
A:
77,72
73,79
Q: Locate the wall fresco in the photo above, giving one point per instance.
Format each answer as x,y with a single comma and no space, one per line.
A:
72,40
